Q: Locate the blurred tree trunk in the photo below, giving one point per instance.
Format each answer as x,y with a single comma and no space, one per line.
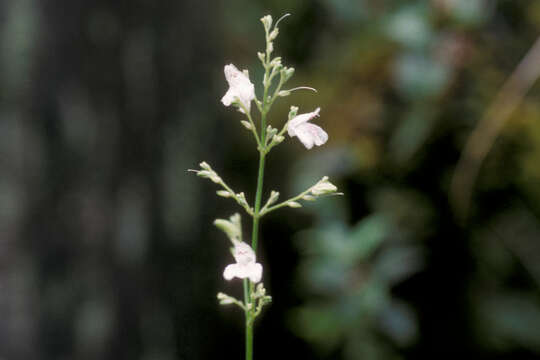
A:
97,97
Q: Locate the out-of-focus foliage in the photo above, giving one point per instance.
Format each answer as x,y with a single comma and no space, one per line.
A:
413,79
348,272
509,318
349,275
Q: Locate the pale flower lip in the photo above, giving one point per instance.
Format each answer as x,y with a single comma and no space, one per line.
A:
245,266
240,87
309,134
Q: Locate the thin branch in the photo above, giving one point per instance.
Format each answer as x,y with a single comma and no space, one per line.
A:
253,127
486,132
239,198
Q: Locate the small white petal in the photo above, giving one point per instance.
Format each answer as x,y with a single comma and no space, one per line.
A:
319,135
234,76
255,272
243,253
305,137
301,119
228,98
230,271
243,271
310,134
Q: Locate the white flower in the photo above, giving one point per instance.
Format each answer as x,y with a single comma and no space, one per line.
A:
307,133
245,266
240,88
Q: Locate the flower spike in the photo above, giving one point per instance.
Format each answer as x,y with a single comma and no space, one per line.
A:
240,94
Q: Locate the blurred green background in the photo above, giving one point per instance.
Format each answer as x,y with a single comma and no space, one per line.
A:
106,244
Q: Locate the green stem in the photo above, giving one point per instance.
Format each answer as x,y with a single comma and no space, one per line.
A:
260,177
253,127
258,197
248,286
246,293
249,339
255,236
249,322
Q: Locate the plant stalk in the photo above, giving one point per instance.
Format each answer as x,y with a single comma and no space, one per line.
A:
258,197
249,337
248,285
254,239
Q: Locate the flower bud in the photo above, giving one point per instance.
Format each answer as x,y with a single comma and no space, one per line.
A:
223,193
286,73
261,56
216,179
274,195
293,111
204,173
225,299
232,227
259,292
204,165
246,124
284,93
270,131
308,197
273,34
267,22
293,204
276,62
209,174
232,230
242,199
278,139
323,187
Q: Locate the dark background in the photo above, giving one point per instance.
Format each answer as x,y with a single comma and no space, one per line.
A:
106,245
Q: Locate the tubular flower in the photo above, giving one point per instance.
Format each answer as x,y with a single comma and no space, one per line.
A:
245,266
240,88
309,134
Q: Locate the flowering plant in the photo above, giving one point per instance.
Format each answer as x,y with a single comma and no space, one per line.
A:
240,94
